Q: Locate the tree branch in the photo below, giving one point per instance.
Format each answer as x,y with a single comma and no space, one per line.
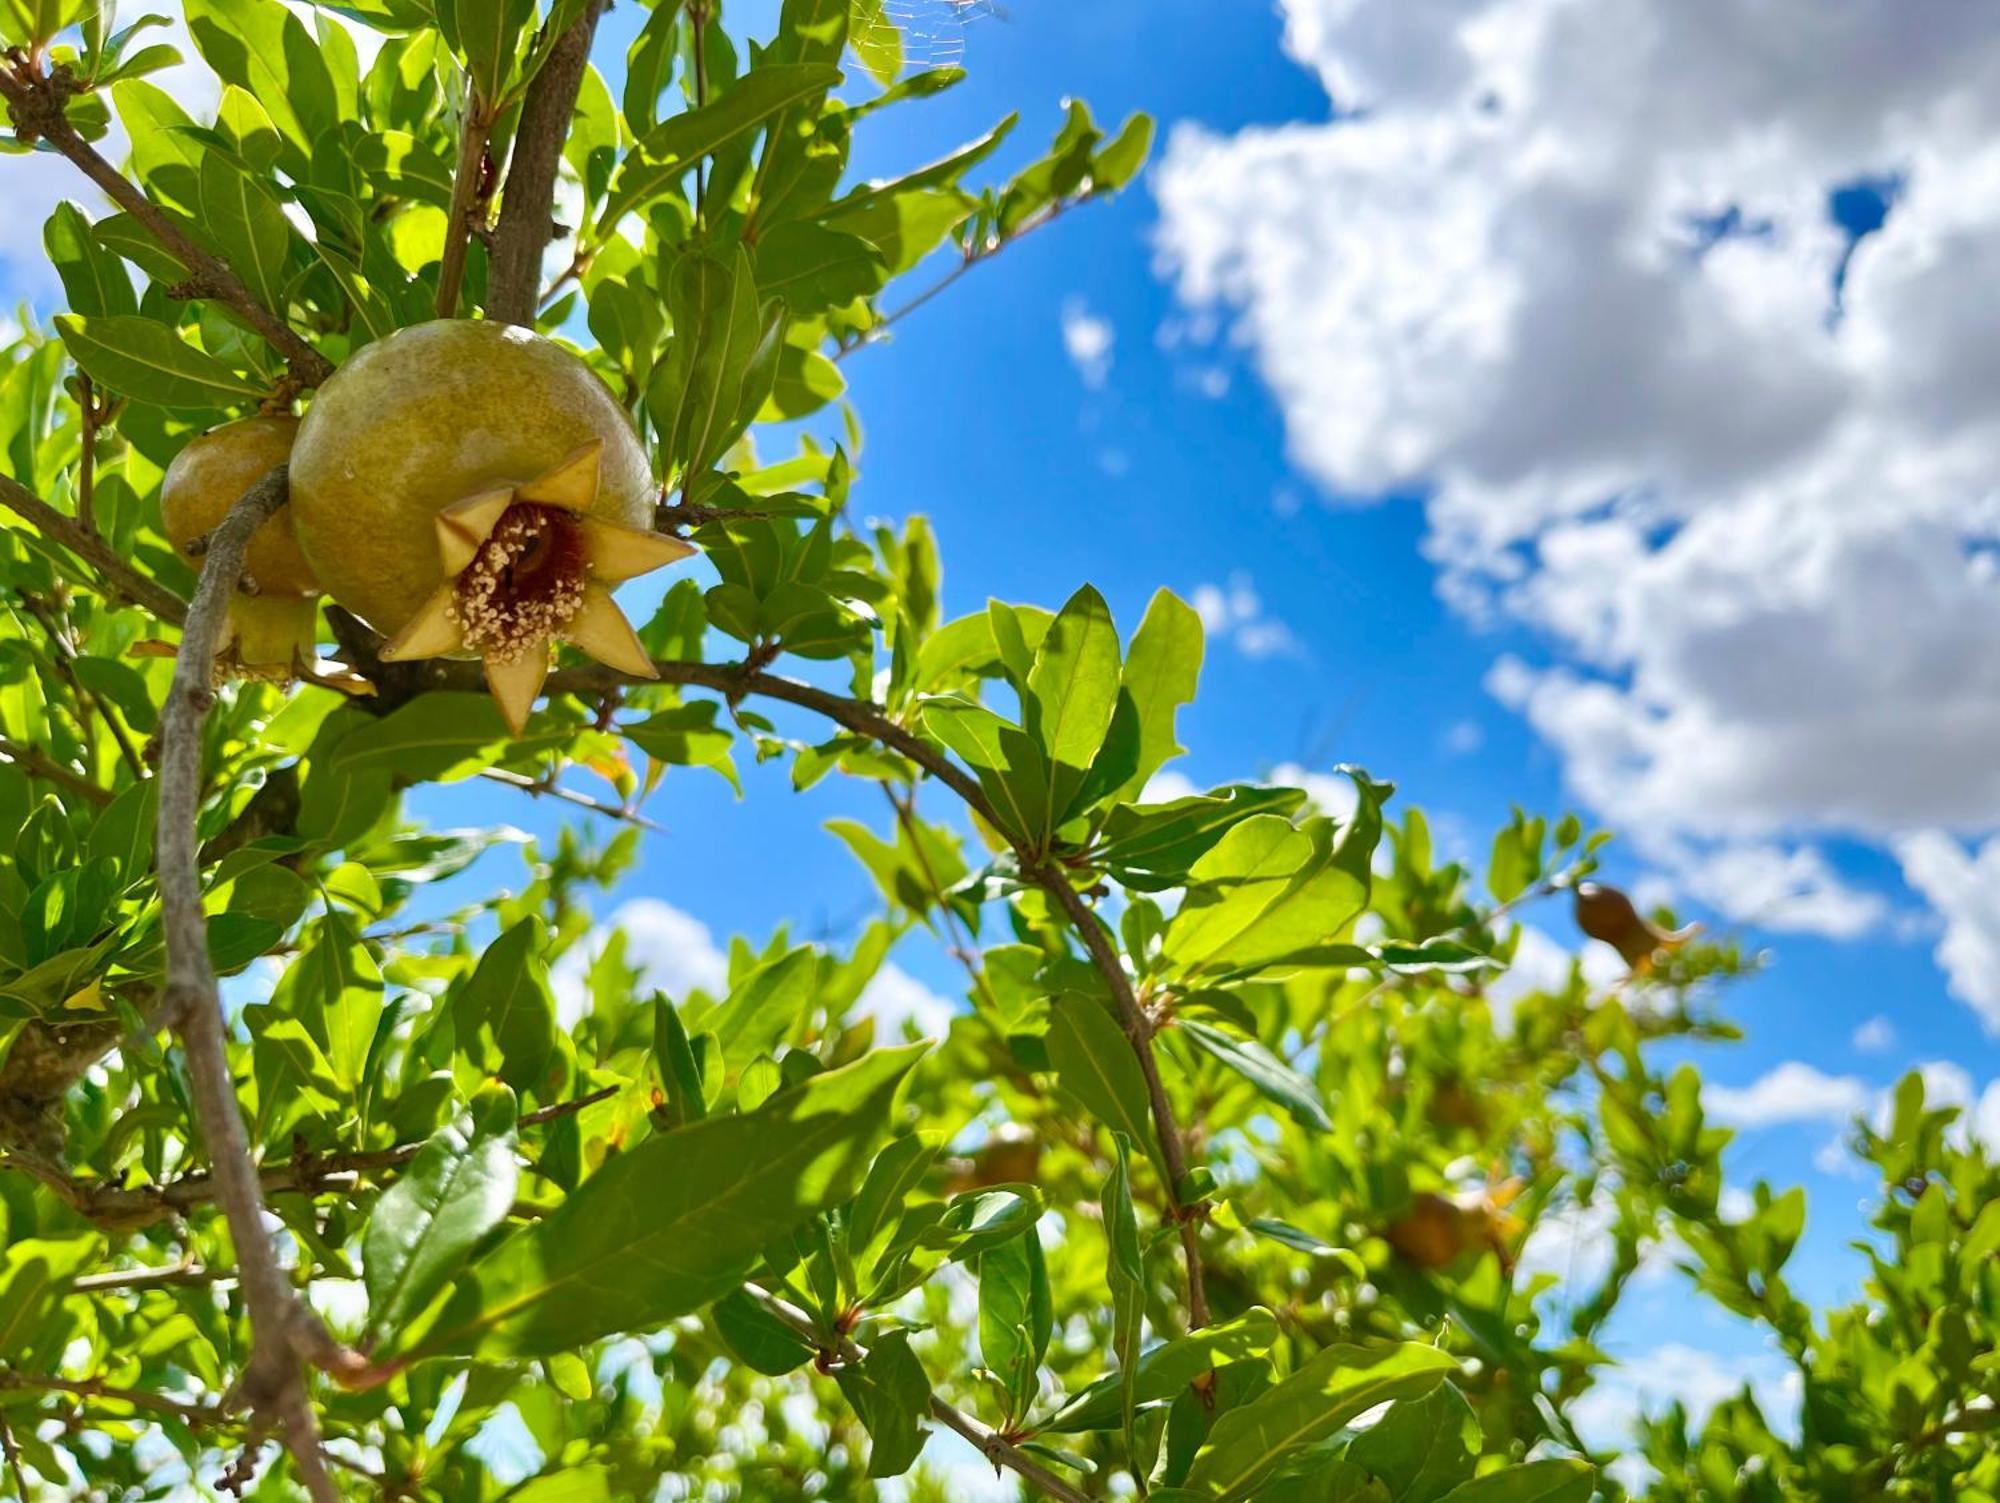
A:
115,575
1139,1031
470,193
990,1444
122,1208
397,682
514,274
36,103
284,1329
37,763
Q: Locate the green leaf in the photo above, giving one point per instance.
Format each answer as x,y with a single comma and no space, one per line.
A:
487,36
759,1340
503,1013
1554,1480
435,738
1016,1316
1166,1370
1422,1447
34,23
93,278
892,1396
1072,691
242,220
671,1224
1161,671
699,390
667,151
455,1191
1309,1407
764,1005
149,362
649,65
1272,1077
1125,1277
35,1273
1095,1063
259,45
1267,889
1118,161
1151,847
337,991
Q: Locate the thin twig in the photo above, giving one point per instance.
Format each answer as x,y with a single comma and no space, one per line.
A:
960,941
540,788
39,764
128,1208
151,1278
514,270
471,192
1139,1030
973,256
284,1329
14,1467
65,652
96,1388
116,576
36,103
990,1444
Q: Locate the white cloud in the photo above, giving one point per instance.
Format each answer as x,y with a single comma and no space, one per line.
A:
1089,340
672,951
1876,1036
1794,889
1650,1382
895,997
1463,737
1964,888
1570,270
1332,793
1790,1092
1543,965
1235,613
1167,785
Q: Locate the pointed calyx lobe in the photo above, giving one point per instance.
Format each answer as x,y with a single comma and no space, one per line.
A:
530,566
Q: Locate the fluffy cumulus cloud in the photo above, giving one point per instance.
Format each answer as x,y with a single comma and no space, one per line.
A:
1791,1092
1663,308
1964,888
1089,340
1234,613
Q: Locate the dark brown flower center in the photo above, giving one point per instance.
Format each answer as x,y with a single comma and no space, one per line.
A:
525,583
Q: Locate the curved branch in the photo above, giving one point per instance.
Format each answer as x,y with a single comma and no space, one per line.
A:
397,682
115,576
284,1330
514,270
995,1447
36,104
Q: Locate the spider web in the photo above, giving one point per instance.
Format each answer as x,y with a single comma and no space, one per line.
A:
895,37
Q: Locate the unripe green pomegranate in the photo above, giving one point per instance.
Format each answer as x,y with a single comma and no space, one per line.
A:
471,488
271,631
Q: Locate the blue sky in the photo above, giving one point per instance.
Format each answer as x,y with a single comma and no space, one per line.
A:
1530,443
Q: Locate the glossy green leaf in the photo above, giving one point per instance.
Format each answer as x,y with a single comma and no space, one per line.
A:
1095,1062
454,1192
1309,1407
1551,1481
149,362
892,1396
671,1224
1167,1369
670,149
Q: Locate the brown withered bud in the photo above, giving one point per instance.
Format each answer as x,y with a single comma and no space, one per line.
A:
1606,914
